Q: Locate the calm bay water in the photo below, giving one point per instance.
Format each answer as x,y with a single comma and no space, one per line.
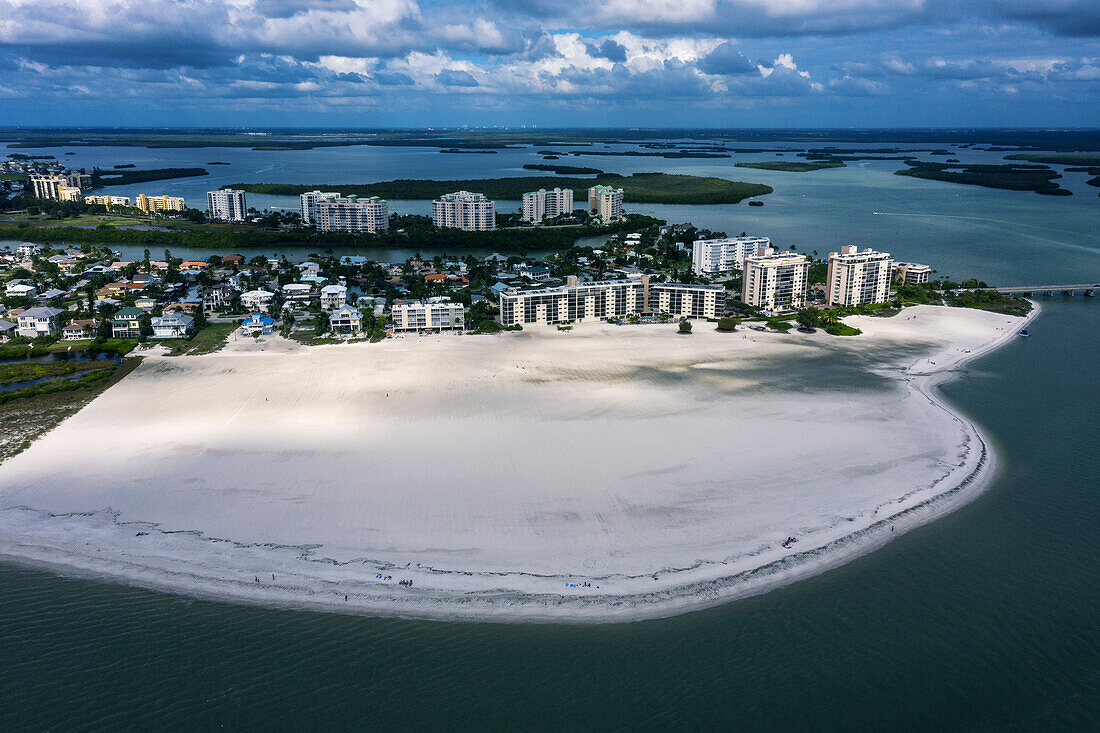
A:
983,620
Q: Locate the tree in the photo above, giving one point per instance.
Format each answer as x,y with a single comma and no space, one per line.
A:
145,326
727,324
685,326
807,318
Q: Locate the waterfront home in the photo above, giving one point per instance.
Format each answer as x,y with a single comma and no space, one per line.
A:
36,322
216,297
233,260
18,289
257,300
27,249
346,320
78,330
309,269
333,296
535,273
194,265
297,293
126,324
257,324
7,330
172,326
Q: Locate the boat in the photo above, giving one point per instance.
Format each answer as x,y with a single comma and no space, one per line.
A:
1023,332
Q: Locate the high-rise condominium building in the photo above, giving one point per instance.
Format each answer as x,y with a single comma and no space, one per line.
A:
464,210
82,181
310,201
352,214
47,187
149,204
543,204
716,256
606,203
858,277
227,204
775,281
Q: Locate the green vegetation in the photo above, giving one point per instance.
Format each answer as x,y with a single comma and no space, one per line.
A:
417,231
685,327
779,324
1062,159
727,324
641,188
564,170
990,300
1037,178
25,371
25,419
205,340
840,329
792,166
127,177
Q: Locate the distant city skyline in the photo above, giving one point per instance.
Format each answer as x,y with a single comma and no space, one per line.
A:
616,63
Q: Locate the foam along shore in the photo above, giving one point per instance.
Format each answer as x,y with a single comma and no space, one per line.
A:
608,473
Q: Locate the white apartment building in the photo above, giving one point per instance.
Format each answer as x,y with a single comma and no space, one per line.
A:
149,204
717,256
464,210
775,281
543,204
310,200
227,204
596,301
681,300
912,273
47,187
435,314
606,203
858,277
352,214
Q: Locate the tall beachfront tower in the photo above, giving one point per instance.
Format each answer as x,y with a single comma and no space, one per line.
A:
775,281
227,204
464,210
716,256
858,277
543,204
353,214
606,203
310,200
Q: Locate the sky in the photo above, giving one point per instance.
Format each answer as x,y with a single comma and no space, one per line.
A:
547,63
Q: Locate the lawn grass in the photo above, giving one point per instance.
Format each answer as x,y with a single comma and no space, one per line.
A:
206,341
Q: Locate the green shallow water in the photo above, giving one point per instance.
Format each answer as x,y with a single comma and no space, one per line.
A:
983,620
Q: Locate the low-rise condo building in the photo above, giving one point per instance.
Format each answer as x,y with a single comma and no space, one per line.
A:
310,200
606,203
719,256
858,277
434,314
150,204
594,301
774,281
464,210
911,273
227,204
69,193
353,214
108,201
543,204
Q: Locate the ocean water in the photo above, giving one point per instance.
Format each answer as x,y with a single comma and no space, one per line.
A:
983,620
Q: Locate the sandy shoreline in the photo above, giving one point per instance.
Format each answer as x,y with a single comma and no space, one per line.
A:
664,471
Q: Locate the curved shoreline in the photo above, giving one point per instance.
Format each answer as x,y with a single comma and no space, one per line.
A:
685,589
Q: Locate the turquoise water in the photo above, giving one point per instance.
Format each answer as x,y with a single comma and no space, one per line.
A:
983,620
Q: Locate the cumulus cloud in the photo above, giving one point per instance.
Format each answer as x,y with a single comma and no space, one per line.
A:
456,78
726,60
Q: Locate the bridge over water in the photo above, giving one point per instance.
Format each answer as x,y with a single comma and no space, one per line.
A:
1086,289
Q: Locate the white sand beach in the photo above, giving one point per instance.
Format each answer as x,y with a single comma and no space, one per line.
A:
603,474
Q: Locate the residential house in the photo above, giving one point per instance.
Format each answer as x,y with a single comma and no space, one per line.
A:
309,269
18,289
172,326
217,297
333,296
78,330
297,293
126,324
7,330
257,324
346,320
257,300
51,294
145,304
36,322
